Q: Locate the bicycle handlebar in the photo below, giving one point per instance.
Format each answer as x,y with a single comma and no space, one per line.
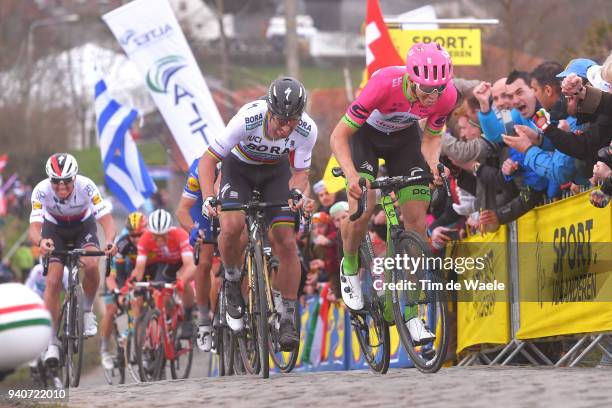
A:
80,252
157,285
253,206
362,204
387,183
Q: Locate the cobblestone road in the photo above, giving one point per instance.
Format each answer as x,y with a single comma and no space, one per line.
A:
471,387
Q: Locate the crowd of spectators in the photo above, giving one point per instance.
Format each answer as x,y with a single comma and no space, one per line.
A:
524,140
15,265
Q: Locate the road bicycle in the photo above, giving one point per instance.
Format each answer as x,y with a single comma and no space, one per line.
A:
384,307
124,342
225,342
158,334
71,325
260,338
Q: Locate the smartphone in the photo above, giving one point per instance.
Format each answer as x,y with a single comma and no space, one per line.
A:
508,123
453,234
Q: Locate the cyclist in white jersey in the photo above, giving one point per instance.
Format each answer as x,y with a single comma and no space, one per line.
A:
65,208
267,145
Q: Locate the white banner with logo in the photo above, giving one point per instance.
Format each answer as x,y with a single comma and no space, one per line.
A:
152,38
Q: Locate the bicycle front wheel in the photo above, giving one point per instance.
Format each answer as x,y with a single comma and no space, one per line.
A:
180,366
427,301
261,311
74,337
150,353
130,358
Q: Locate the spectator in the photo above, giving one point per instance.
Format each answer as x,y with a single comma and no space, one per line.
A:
339,212
322,252
524,104
500,97
584,144
556,166
601,77
327,199
467,150
22,260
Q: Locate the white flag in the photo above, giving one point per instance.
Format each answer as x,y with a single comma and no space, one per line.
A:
152,38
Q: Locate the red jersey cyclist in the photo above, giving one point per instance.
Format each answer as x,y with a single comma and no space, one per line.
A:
164,252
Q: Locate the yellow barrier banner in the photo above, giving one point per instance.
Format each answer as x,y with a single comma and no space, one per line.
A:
463,44
483,312
565,273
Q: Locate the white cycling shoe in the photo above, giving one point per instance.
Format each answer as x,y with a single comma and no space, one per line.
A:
350,286
234,324
107,360
90,324
419,331
204,339
51,358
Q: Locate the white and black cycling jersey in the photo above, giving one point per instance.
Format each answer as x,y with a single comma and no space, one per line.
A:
84,201
244,137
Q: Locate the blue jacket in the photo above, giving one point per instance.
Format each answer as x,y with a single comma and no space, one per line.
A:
530,177
557,167
493,128
537,162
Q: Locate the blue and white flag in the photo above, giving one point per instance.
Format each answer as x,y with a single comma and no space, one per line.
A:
125,173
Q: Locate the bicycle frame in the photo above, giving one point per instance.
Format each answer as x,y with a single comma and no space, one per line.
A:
160,298
68,332
255,225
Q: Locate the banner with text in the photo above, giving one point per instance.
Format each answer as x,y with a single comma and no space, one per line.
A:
565,269
152,38
483,315
463,44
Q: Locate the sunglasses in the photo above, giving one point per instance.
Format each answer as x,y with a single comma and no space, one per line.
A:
135,235
428,90
64,181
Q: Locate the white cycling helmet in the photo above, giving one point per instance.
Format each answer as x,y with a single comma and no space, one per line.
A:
62,166
160,221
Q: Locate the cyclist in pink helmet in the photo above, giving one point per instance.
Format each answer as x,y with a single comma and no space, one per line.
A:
429,65
383,123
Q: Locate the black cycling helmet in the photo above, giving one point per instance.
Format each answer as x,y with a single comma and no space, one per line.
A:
286,98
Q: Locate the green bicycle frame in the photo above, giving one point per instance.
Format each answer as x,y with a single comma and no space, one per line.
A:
394,229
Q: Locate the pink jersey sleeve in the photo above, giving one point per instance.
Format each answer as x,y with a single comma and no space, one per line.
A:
361,108
437,119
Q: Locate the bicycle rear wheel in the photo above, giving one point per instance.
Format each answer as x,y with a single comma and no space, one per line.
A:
284,360
229,350
74,337
429,304
369,325
247,344
150,353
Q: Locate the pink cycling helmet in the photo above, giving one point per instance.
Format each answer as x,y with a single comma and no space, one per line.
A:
429,64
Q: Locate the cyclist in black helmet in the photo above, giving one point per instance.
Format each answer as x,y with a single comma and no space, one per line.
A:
268,146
